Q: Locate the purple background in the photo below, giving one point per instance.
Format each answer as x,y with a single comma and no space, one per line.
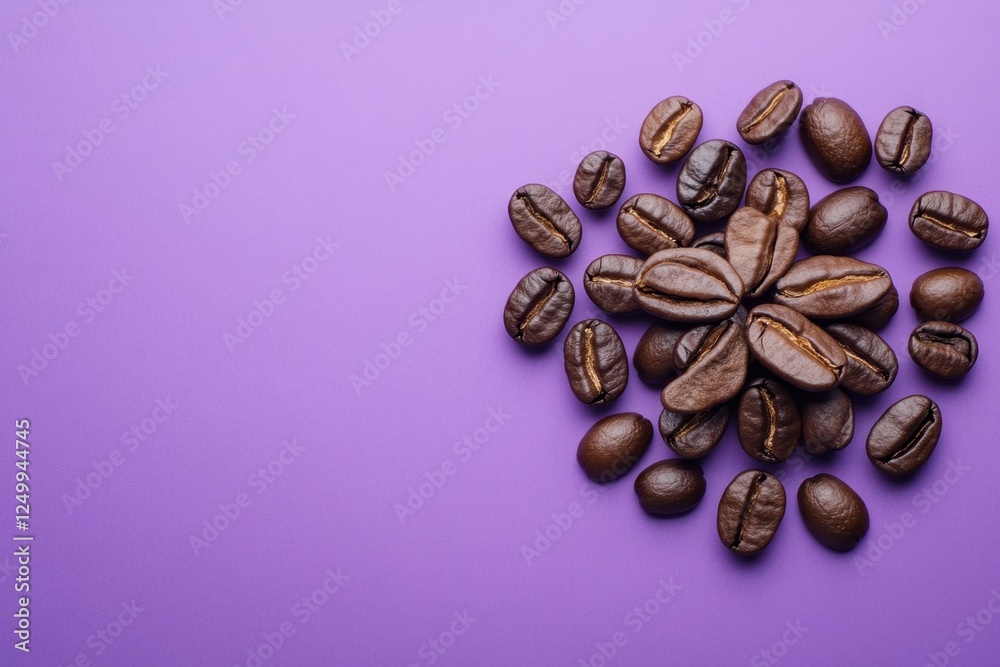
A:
558,89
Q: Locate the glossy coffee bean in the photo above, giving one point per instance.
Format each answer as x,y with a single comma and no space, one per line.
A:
943,349
595,361
949,221
599,180
713,242
688,285
781,195
539,306
948,294
670,487
836,139
793,348
881,313
608,281
904,437
649,223
834,514
827,421
760,248
844,221
871,363
712,361
767,421
711,181
670,129
613,445
832,287
750,512
544,221
694,436
654,354
903,141
770,112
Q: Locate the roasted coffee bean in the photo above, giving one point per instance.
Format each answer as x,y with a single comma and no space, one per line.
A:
781,195
713,241
949,294
836,139
654,355
793,348
649,223
844,221
760,248
539,306
613,445
712,361
833,512
827,421
609,280
711,181
694,436
670,487
832,287
750,511
770,112
903,141
767,421
599,180
544,220
688,285
949,221
670,129
596,363
871,363
905,436
944,349
879,314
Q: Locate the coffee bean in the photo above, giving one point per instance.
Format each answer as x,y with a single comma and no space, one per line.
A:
595,361
767,421
649,223
609,280
831,287
713,241
670,129
654,355
539,306
750,511
833,512
827,421
688,285
871,363
836,139
949,294
599,180
793,348
670,487
711,181
943,349
949,221
770,112
544,220
903,141
613,445
694,436
904,437
712,361
781,195
760,248
844,221
880,314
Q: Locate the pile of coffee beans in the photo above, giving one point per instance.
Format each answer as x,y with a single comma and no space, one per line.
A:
741,326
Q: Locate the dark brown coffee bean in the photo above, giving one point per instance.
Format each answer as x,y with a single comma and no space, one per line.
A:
903,141
767,421
949,294
844,221
609,280
599,180
770,112
539,306
712,361
760,248
670,487
670,129
827,421
905,436
649,223
688,285
949,221
879,314
694,436
944,349
711,181
836,139
713,241
544,220
613,445
781,195
833,512
654,355
871,363
595,361
794,349
831,287
750,511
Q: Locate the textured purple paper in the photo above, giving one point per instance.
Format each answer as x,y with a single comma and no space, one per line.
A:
331,264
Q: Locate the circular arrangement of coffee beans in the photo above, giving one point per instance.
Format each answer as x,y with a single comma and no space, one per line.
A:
742,330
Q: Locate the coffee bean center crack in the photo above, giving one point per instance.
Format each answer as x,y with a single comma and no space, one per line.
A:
832,282
766,111
602,177
666,131
646,221
913,439
544,221
747,508
537,307
801,342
